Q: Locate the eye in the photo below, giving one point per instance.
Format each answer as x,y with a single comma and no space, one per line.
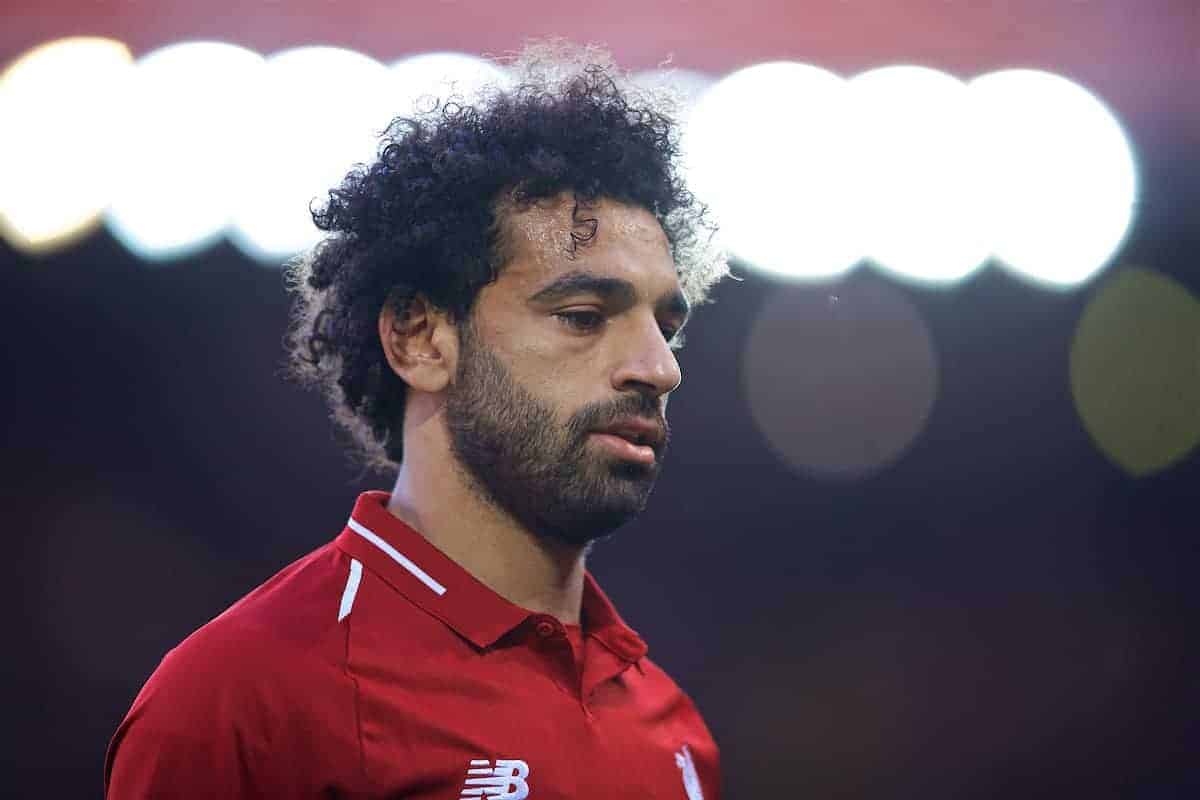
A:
584,321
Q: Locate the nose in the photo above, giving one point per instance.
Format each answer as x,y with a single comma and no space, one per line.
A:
649,365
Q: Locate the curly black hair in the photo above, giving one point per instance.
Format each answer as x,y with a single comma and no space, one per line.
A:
428,216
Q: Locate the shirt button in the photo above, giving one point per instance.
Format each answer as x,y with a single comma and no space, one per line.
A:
545,629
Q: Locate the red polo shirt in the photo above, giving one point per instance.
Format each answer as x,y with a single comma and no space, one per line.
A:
377,667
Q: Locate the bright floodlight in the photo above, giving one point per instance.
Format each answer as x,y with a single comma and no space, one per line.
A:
917,167
319,110
184,158
766,149
60,106
418,81
1060,175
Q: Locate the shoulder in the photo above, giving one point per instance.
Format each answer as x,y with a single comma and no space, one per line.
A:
272,641
255,703
268,670
661,685
676,707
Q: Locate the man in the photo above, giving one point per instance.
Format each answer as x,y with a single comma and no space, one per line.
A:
494,311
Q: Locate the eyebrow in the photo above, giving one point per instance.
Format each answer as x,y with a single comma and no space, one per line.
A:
610,289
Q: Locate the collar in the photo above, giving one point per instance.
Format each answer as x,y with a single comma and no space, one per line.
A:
431,580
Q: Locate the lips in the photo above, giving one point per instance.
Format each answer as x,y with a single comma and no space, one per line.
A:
637,431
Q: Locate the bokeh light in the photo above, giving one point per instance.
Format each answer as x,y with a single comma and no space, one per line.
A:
840,380
908,167
319,111
914,144
183,158
61,104
1135,370
302,153
1060,175
781,190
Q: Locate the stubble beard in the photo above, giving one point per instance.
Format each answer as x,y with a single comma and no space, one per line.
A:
518,457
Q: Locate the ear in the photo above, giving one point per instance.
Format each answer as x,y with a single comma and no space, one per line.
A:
421,344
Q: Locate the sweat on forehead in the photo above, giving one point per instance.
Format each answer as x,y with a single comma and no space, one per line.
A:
558,229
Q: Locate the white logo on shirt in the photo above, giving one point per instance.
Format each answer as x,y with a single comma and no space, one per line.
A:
506,781
691,781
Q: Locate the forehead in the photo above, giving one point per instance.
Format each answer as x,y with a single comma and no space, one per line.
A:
605,237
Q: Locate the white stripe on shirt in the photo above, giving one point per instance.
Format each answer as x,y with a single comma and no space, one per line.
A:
399,558
351,589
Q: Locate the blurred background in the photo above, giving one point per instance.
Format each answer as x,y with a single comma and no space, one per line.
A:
928,527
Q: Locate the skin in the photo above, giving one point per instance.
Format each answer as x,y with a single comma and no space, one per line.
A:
568,349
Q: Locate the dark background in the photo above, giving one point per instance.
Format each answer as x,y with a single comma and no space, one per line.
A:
1001,612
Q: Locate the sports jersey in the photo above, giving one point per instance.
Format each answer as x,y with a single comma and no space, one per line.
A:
376,666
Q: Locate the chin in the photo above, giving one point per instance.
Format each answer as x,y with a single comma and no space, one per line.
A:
597,513
580,530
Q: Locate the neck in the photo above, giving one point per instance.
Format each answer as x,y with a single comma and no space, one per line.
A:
435,499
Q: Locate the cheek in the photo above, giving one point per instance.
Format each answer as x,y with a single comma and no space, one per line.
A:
563,393
562,373
554,373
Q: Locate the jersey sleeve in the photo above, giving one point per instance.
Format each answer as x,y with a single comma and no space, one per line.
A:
146,763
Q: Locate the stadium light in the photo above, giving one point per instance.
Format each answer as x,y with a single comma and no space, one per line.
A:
913,150
61,107
1060,174
318,111
779,189
906,166
183,158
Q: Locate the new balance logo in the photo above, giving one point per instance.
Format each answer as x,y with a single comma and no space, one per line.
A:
505,781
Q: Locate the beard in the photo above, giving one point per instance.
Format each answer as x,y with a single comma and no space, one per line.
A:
520,458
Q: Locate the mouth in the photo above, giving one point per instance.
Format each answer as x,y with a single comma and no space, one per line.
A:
632,440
